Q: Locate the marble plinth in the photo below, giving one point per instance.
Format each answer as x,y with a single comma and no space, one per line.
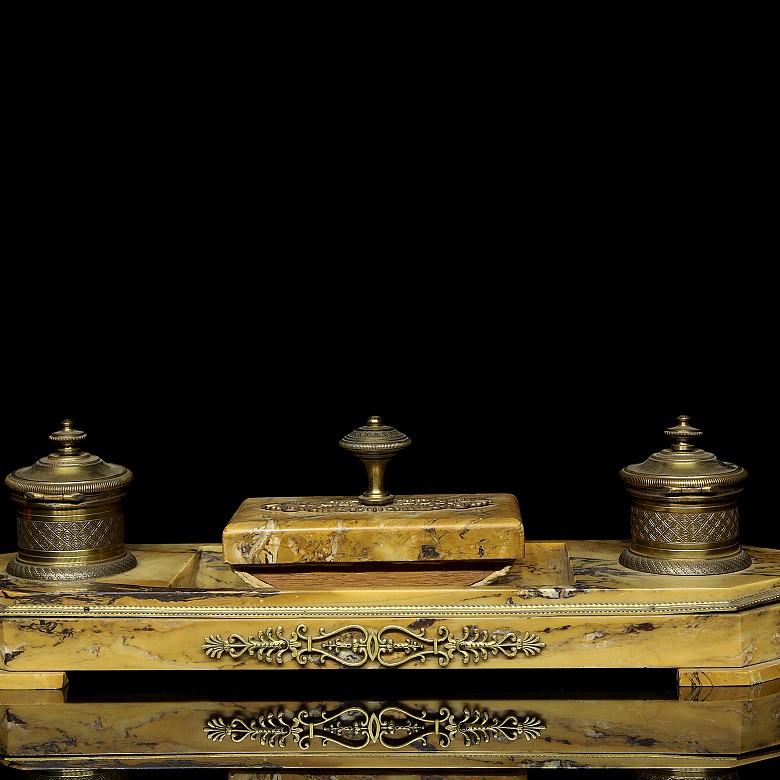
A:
565,605
416,541
447,733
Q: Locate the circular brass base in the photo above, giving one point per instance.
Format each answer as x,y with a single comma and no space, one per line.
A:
685,566
26,571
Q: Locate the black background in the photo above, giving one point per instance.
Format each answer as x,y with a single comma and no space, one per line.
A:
209,401
528,248
529,259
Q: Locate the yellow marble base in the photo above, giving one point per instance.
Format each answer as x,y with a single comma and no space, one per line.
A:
724,731
565,605
416,541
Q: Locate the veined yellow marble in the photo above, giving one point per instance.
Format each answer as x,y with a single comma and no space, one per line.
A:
259,536
424,733
32,680
564,605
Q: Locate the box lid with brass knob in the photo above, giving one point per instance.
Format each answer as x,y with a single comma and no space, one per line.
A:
346,541
684,509
70,522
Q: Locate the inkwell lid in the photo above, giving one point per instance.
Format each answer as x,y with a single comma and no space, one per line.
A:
683,464
68,473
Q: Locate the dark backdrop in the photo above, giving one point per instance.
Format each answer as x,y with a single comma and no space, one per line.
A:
496,396
530,260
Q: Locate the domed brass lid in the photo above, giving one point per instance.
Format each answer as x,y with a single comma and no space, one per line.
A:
69,472
683,465
375,438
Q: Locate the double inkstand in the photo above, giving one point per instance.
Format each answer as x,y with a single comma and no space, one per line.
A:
380,581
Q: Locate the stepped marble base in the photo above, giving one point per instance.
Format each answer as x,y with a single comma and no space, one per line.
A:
565,605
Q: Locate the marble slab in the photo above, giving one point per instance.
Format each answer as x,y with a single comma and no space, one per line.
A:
567,605
417,541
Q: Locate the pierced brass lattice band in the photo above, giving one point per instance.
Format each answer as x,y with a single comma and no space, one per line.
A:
354,646
70,534
357,726
681,527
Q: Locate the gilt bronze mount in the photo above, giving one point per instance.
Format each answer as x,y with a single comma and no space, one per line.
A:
70,522
684,510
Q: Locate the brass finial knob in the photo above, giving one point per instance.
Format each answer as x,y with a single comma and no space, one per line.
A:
66,438
375,443
681,433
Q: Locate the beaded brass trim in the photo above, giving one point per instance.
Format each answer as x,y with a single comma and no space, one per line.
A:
73,774
671,774
401,504
354,646
552,606
358,727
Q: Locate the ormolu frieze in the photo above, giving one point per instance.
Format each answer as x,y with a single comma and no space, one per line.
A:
355,727
354,646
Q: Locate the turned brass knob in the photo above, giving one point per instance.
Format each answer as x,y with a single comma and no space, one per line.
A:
375,443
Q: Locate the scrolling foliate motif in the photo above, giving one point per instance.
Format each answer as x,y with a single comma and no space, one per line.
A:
354,645
355,727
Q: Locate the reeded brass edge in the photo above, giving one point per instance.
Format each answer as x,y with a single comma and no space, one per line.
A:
690,483
54,489
685,566
25,571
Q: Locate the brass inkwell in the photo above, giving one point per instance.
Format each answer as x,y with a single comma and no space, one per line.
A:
684,512
70,523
